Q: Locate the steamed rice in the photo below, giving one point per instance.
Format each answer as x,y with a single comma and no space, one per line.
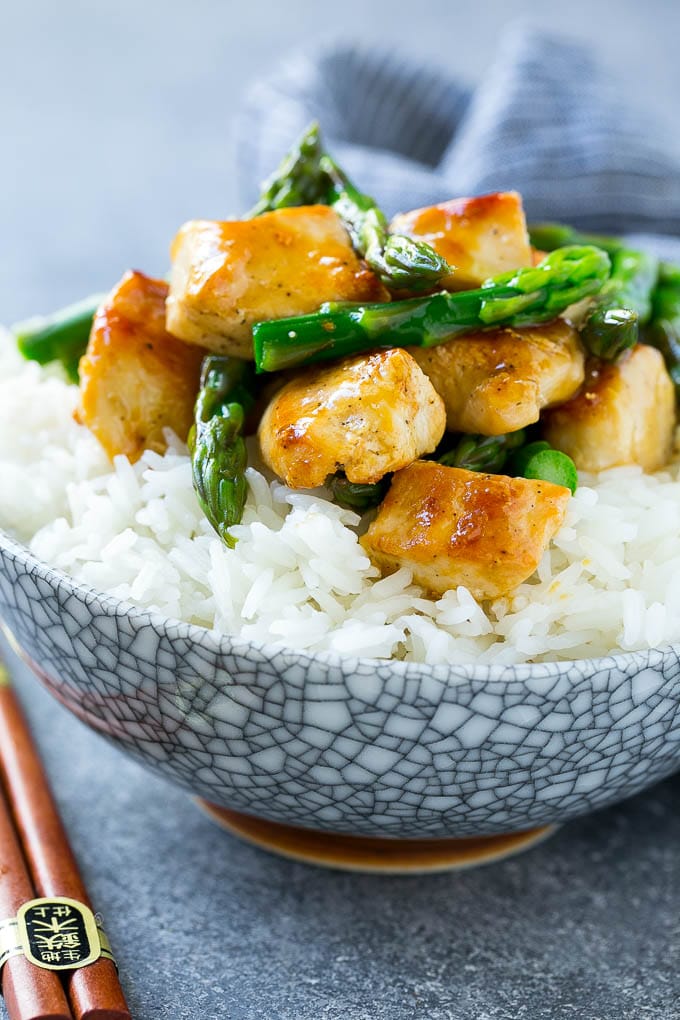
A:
298,576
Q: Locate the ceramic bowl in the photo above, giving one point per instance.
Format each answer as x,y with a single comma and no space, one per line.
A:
347,745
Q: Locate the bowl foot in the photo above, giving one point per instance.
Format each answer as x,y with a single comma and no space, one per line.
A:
374,854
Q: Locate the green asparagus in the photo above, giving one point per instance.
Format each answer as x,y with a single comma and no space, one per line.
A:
627,301
218,450
482,453
540,461
548,236
622,306
309,176
298,180
61,336
663,331
520,298
356,495
511,454
399,261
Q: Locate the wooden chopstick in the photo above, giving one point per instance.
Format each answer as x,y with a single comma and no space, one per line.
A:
29,993
94,991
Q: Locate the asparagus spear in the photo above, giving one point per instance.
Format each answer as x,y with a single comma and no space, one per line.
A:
663,331
510,454
548,236
669,275
519,298
298,180
218,450
308,176
626,301
357,495
539,460
61,336
483,453
399,261
623,304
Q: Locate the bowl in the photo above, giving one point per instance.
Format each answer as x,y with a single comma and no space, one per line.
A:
347,745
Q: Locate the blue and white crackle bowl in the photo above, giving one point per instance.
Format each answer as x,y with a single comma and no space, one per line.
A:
390,749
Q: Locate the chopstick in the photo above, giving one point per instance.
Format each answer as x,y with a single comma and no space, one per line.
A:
94,991
29,993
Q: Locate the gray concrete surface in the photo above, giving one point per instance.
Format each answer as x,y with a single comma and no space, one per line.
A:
115,126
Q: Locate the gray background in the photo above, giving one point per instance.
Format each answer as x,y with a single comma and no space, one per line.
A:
116,125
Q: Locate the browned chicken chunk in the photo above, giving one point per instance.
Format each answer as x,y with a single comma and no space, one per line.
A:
480,237
500,380
136,379
453,527
228,276
624,414
366,415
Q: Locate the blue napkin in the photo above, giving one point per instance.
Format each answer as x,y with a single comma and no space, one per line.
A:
544,121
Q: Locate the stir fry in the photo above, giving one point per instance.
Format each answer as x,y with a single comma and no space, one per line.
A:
447,373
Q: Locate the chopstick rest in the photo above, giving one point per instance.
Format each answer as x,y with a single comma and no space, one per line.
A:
94,991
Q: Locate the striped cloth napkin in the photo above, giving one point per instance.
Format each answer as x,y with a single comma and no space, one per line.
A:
544,121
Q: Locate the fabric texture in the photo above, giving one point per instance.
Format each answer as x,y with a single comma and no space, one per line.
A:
544,121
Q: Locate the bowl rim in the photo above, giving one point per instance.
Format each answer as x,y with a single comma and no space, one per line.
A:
221,644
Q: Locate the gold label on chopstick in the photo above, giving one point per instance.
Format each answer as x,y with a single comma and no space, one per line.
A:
58,933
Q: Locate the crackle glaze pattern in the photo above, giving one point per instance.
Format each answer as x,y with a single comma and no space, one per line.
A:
352,746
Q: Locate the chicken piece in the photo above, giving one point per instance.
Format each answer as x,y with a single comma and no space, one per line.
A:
366,415
480,237
624,414
228,276
136,379
453,527
498,381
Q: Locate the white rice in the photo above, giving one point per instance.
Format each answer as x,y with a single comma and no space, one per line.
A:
298,576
